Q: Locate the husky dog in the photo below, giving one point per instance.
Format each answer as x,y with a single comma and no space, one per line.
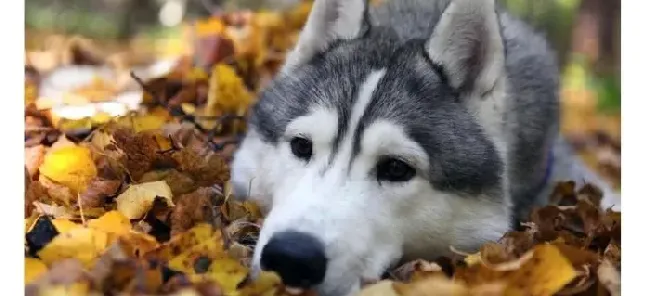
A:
394,132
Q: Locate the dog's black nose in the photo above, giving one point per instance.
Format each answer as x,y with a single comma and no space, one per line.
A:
297,257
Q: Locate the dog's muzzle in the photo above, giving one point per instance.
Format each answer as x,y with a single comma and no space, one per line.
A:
297,257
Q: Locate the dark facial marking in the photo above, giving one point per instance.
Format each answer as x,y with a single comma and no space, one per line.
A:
414,95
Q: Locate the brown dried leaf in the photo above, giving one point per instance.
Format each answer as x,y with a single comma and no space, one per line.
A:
206,170
590,216
57,192
591,193
98,191
139,151
547,220
517,243
34,157
35,192
493,253
194,207
564,194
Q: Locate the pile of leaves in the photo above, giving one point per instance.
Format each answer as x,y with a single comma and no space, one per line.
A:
141,212
572,248
141,204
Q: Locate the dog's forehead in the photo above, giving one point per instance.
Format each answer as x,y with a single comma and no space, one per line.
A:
332,80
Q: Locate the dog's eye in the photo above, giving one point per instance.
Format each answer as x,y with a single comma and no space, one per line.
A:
301,148
394,170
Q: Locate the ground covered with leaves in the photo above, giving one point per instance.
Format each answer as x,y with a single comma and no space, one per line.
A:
140,204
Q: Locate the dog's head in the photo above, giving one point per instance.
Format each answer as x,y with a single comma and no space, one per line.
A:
368,149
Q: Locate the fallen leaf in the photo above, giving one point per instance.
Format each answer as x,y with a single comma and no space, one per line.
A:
34,157
139,198
111,222
137,244
54,211
139,151
517,243
193,208
205,170
33,269
179,183
34,192
84,244
97,191
71,166
233,210
141,122
58,192
228,272
64,225
545,272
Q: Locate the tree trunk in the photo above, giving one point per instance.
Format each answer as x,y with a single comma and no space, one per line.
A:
597,34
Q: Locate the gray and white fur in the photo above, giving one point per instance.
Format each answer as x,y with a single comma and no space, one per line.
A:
395,132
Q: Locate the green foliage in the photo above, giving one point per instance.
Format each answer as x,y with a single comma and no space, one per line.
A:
609,94
71,21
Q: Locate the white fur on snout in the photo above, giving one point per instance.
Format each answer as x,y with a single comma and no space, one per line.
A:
339,205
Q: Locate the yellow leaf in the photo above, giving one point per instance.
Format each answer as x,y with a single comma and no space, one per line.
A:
33,269
58,192
138,199
541,271
224,270
141,122
545,274
200,241
82,243
111,222
64,225
71,166
138,243
227,91
188,108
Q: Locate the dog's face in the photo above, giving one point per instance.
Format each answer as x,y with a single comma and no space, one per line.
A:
366,150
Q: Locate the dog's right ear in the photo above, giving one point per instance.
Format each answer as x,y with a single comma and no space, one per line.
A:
329,20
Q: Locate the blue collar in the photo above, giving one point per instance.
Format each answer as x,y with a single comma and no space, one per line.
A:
550,159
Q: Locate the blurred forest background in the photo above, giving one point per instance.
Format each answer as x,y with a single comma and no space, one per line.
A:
585,33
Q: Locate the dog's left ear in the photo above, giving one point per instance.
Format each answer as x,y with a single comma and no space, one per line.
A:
467,43
329,20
